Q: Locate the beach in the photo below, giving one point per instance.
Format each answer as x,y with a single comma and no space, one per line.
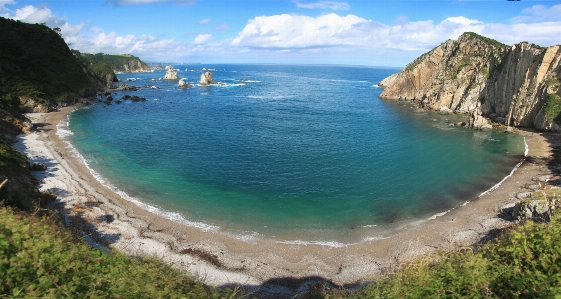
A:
107,220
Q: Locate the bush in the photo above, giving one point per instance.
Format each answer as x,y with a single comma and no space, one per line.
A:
39,258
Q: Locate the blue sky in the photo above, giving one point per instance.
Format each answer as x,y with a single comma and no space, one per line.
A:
375,32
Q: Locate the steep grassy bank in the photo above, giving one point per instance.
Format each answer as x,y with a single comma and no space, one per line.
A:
40,258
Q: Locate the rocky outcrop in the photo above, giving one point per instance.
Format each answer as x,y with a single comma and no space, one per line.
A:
130,64
539,209
517,85
183,84
206,79
171,73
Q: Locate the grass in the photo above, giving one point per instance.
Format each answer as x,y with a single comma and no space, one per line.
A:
525,262
41,258
487,40
552,108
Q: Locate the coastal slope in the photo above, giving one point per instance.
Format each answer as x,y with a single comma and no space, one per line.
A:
124,63
490,81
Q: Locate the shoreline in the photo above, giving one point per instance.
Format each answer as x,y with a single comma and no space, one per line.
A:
278,269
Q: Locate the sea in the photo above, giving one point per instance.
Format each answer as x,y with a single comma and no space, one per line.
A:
286,153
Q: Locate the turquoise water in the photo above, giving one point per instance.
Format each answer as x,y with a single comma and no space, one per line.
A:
294,153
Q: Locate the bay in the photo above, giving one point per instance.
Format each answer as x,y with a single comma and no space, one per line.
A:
306,153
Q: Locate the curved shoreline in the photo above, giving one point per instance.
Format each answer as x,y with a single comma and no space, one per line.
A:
104,218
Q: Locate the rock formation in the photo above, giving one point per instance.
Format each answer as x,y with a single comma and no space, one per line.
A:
517,85
183,84
171,74
206,79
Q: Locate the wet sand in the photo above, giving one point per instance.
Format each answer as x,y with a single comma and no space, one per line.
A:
265,267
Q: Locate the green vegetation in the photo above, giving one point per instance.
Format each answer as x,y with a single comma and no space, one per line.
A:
486,40
525,262
97,64
115,62
415,62
552,109
485,71
553,83
36,63
40,258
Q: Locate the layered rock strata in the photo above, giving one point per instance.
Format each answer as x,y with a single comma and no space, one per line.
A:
475,75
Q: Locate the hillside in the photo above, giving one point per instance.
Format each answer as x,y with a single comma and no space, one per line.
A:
515,85
124,63
37,67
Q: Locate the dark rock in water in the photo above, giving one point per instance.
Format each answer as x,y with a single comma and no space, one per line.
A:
128,87
109,98
38,167
460,124
118,101
137,99
126,97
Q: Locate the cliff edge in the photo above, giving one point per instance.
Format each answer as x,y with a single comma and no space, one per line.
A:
475,75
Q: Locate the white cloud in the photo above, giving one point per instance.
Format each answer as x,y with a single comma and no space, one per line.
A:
323,4
4,2
220,27
202,39
204,21
302,32
295,31
538,14
134,2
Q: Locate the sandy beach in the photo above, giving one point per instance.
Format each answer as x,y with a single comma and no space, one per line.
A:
265,267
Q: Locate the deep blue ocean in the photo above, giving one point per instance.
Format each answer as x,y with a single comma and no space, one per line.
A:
306,153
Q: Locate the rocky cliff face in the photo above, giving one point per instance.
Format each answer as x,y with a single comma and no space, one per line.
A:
517,85
133,65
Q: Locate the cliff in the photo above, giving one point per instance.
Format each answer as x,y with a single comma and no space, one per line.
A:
38,69
124,63
490,81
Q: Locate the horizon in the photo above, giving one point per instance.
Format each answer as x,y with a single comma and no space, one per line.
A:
288,32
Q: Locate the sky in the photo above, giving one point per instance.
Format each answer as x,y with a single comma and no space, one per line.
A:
352,32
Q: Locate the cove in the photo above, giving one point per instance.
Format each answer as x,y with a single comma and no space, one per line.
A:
291,153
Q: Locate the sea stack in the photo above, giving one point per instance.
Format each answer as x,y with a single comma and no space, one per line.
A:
183,84
171,74
206,79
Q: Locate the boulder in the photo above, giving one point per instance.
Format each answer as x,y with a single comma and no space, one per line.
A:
541,209
38,167
171,73
206,79
137,99
183,84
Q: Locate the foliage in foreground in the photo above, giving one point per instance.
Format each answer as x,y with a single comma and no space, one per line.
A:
523,263
40,258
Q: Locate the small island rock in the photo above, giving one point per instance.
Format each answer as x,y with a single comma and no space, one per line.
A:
206,79
183,84
171,73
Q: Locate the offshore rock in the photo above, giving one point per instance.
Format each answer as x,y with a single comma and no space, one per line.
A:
183,84
481,77
206,79
171,74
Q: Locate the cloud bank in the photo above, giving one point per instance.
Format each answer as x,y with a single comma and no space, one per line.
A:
331,36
